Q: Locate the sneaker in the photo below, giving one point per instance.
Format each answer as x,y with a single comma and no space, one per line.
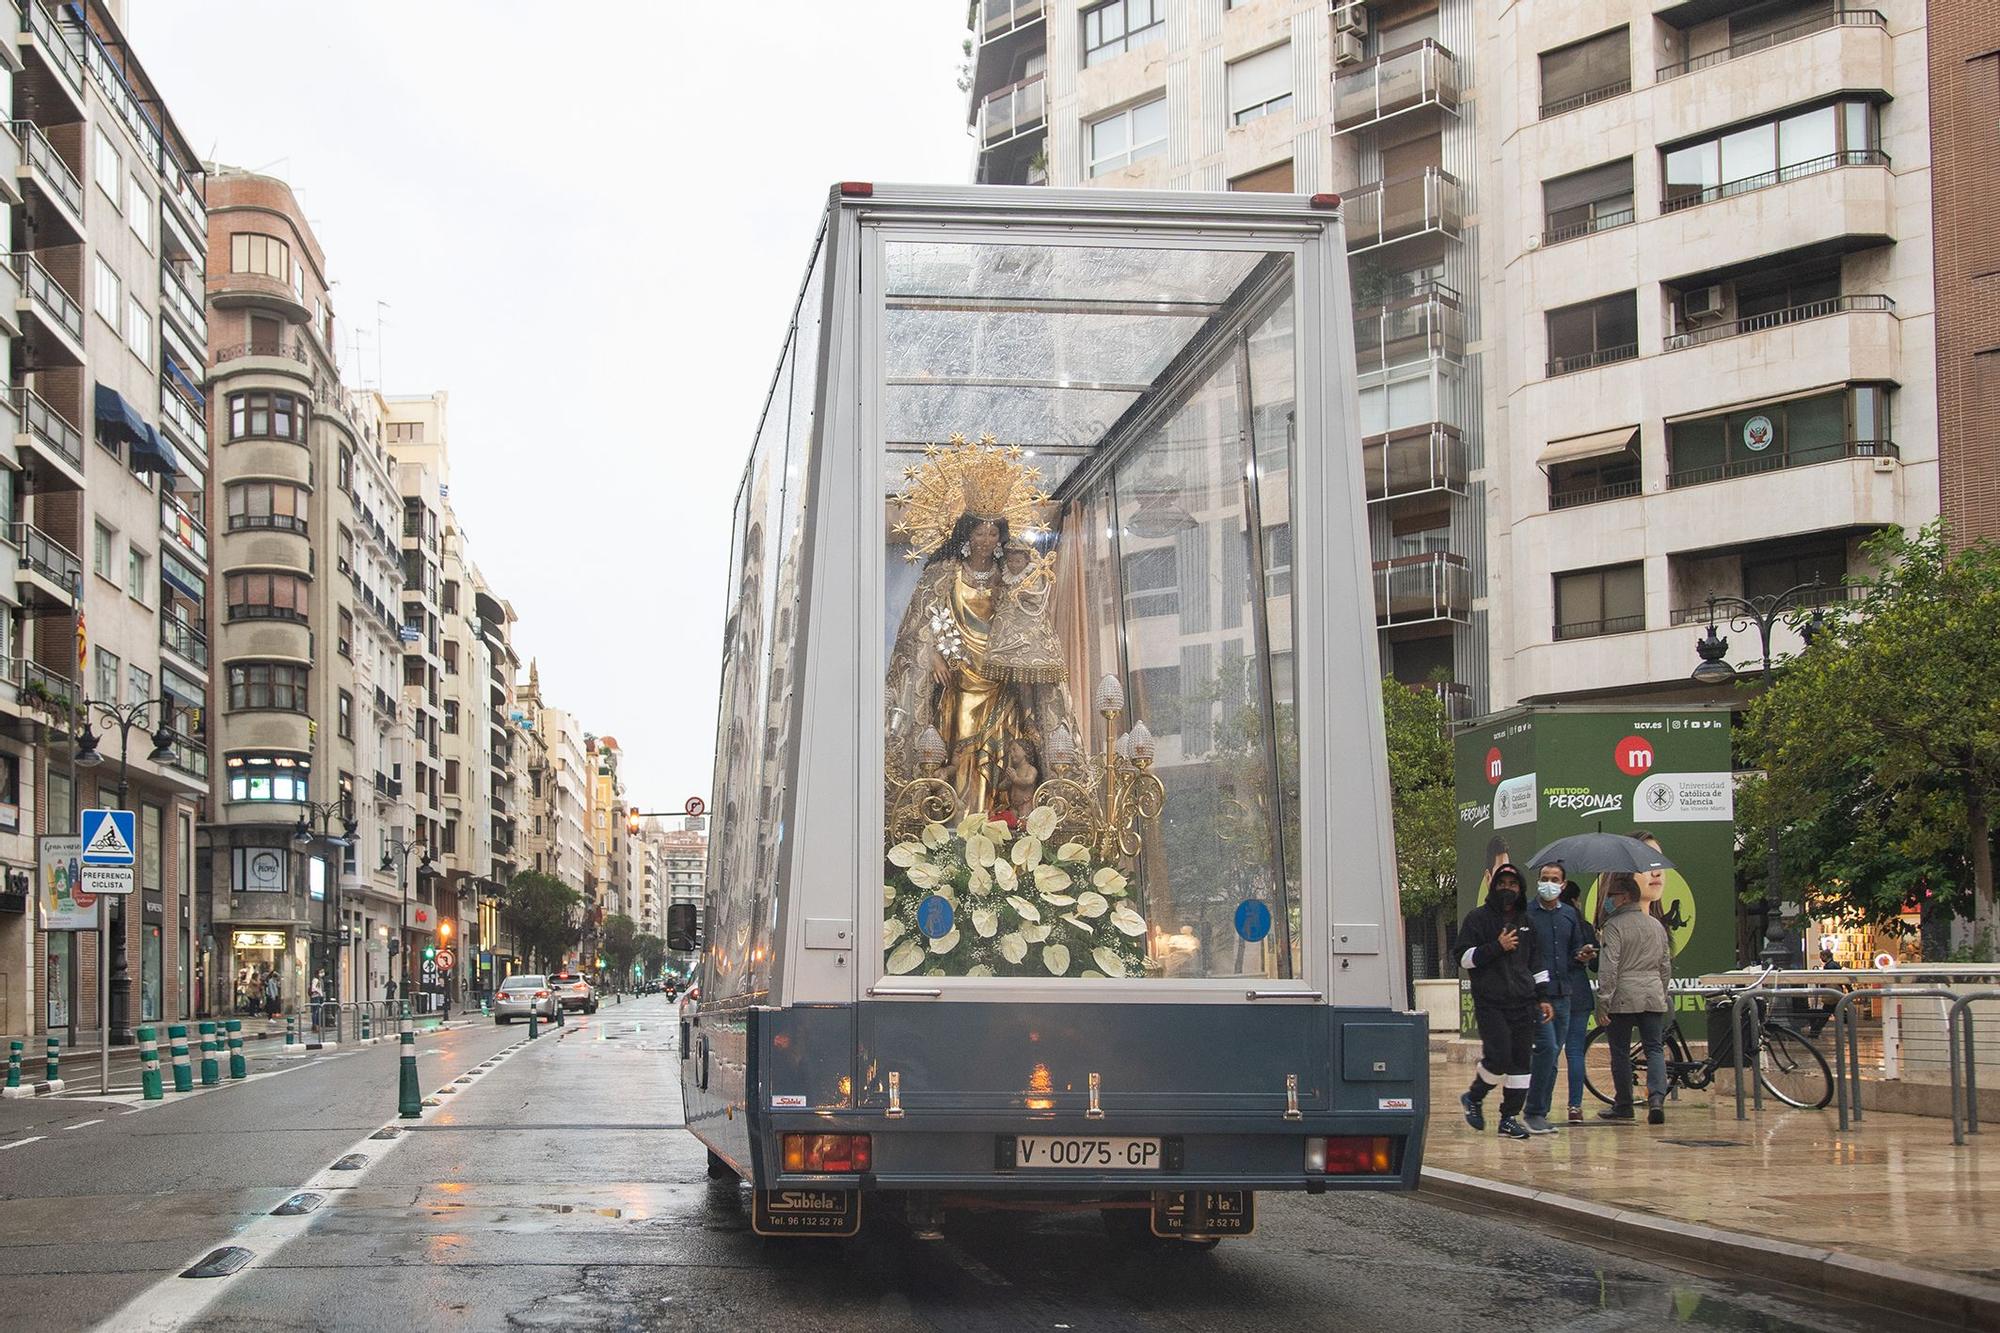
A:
1615,1113
1656,1110
1539,1124
1474,1115
1510,1128
1576,1115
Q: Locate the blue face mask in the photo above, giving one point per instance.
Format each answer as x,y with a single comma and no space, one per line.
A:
1548,892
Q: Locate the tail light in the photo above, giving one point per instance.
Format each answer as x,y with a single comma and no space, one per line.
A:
505,996
541,995
1347,1156
826,1153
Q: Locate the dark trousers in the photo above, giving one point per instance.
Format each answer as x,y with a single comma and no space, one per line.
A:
1506,1052
1652,1030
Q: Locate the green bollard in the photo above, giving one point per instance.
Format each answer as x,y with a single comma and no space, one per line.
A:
183,1071
562,1018
534,1022
238,1068
409,1100
149,1064
291,1029
211,1072
367,1025
55,1060
13,1065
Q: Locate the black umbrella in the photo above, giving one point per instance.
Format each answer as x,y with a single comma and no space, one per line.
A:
1600,853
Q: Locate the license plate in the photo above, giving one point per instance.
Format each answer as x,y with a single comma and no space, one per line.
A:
1230,1213
1087,1154
805,1212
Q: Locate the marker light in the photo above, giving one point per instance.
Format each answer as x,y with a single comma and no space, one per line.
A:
826,1153
1347,1156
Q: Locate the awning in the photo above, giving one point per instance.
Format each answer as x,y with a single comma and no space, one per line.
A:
154,454
1588,446
117,422
180,377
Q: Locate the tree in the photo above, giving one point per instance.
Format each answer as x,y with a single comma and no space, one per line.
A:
1422,805
1881,743
652,956
545,914
618,940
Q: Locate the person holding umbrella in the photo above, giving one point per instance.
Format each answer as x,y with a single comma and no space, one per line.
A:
1634,976
1510,998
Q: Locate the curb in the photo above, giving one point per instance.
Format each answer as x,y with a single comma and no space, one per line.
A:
1946,1297
47,1089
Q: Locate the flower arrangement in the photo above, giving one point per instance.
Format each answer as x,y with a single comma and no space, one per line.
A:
945,635
1019,908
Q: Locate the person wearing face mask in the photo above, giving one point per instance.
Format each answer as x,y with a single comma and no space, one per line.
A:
1633,982
1559,935
1577,989
1498,945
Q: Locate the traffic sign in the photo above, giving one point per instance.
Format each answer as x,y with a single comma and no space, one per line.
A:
107,879
108,837
695,807
445,959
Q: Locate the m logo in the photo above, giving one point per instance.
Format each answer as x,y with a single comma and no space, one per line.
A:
1634,756
1493,767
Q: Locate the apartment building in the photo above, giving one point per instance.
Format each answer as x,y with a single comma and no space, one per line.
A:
103,343
683,857
304,637
506,797
1643,291
607,828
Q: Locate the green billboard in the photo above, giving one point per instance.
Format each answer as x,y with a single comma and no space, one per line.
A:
1528,776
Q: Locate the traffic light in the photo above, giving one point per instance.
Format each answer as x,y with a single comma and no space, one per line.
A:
430,952
444,931
632,821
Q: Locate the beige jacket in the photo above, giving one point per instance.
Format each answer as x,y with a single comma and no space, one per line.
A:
1635,963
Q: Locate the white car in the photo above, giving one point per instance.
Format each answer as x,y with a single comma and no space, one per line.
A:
523,994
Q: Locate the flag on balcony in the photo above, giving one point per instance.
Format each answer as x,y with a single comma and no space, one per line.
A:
82,645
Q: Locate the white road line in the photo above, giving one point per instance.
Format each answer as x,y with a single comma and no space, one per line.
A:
81,1124
22,1143
175,1302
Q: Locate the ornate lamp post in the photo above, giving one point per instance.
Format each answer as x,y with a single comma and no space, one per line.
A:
316,825
397,858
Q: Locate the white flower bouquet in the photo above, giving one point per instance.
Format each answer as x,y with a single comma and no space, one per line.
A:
1020,908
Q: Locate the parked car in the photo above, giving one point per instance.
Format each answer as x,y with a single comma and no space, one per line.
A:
574,991
521,995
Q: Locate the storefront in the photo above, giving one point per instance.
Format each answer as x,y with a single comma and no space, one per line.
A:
257,953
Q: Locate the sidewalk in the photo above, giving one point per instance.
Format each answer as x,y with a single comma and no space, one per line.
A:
1889,1211
80,1064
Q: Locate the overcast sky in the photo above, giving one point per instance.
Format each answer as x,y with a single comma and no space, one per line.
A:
588,222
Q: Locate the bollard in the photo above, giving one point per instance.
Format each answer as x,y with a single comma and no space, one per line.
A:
211,1072
237,1067
149,1065
534,1022
183,1072
367,1024
291,1029
409,1101
13,1064
55,1060
562,1020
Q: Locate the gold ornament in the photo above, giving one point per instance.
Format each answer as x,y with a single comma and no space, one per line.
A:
961,477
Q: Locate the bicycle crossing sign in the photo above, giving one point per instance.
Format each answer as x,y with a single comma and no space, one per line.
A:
108,838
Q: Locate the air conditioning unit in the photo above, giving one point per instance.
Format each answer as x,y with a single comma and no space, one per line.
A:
1702,303
1346,49
1350,16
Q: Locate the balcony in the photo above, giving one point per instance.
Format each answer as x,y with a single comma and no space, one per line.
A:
1594,629
1764,180
53,446
51,69
1839,18
1612,214
189,430
1426,324
190,757
177,636
54,195
59,339
1782,459
1418,461
44,688
1012,111
1426,204
1601,93
48,572
1455,699
1414,589
1412,78
261,349
183,306
1771,319
1572,497
1599,356
181,525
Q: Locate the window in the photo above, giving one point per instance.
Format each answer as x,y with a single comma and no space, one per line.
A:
267,777
251,252
139,331
1127,136
1587,201
451,777
1587,71
1590,480
1847,423
1769,573
267,504
256,596
1260,85
346,633
451,717
103,544
1274,179
106,292
405,432
268,685
448,597
109,677
1152,582
266,415
345,475
1594,333
450,658
1120,26
344,706
138,684
139,211
106,166
1590,602
1755,157
136,562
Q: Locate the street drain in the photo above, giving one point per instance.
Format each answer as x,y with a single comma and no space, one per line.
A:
298,1205
1705,1143
221,1263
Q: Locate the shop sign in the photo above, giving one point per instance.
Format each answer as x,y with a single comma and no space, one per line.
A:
59,886
256,939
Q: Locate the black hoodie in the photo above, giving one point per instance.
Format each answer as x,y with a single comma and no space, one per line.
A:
1501,977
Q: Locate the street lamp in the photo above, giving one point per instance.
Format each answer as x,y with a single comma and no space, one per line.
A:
397,858
316,825
126,718
1764,614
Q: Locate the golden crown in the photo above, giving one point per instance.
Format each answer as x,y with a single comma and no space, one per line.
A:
961,477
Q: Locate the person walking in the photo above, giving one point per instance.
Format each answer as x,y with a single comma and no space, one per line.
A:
1578,991
1635,968
1510,990
1559,936
1823,1009
271,993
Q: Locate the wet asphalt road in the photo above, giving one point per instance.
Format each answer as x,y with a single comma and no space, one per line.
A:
554,1189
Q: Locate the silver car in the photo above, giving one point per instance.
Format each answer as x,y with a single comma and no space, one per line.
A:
523,994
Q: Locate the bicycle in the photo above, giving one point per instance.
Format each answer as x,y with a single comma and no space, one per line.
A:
1788,1064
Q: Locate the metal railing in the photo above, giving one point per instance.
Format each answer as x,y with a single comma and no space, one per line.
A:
1572,497
1602,93
35,18
1003,16
1412,589
1425,324
184,639
49,426
1392,210
186,528
1596,629
1015,109
294,350
1601,356
1764,180
1429,458
1425,74
46,556
175,296
55,690
1555,233
47,292
176,410
42,155
1781,459
1964,1063
1831,595
1771,319
1839,18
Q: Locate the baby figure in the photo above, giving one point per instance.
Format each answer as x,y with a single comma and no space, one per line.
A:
1022,648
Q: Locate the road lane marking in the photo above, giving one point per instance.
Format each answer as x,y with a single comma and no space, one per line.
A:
22,1143
82,1124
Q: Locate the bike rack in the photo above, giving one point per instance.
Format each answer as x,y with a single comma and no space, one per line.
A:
1969,1122
1740,1032
1847,1038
